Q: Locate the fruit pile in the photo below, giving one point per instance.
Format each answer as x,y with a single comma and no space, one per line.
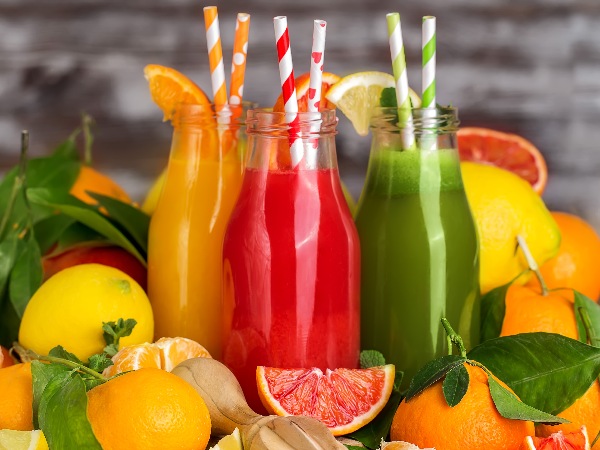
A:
84,372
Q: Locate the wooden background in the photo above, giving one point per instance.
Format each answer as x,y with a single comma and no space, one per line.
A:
526,66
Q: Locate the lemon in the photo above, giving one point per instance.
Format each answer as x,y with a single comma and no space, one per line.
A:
232,441
70,307
504,206
22,440
151,199
357,94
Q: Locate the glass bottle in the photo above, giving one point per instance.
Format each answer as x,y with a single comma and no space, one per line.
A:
420,254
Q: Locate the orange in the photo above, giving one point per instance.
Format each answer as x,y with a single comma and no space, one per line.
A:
302,84
585,411
401,445
16,395
343,399
91,180
427,421
5,358
148,409
164,354
528,311
505,150
577,264
170,89
577,440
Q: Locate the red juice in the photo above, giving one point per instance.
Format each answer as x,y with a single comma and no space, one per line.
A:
291,276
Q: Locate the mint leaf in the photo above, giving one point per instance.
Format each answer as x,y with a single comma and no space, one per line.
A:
99,362
114,331
60,352
388,98
510,407
431,372
41,374
371,358
547,371
587,313
455,385
493,308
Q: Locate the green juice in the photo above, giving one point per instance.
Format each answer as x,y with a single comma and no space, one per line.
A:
419,257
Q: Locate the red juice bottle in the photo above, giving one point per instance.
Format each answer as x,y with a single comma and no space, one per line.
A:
291,257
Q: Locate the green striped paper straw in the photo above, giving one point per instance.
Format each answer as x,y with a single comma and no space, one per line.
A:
401,79
428,72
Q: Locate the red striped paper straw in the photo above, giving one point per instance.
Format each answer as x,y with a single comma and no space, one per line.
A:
317,60
288,86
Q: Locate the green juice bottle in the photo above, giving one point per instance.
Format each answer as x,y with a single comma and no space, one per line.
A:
420,254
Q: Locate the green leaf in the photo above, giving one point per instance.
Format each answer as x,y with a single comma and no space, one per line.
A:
60,352
49,230
63,414
85,214
114,331
586,308
26,275
455,385
353,447
510,407
371,358
68,148
432,372
133,220
547,371
99,363
493,308
372,433
388,98
78,234
41,374
8,256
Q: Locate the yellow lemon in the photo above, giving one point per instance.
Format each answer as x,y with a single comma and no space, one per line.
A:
504,206
71,306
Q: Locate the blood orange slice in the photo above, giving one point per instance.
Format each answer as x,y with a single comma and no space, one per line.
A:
577,440
505,150
302,83
343,399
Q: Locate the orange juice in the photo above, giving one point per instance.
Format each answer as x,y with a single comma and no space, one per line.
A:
186,233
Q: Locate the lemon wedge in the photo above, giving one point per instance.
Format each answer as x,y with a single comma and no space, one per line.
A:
22,440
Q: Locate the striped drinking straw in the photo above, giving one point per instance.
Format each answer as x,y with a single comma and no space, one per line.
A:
428,74
238,62
288,87
401,79
215,56
317,60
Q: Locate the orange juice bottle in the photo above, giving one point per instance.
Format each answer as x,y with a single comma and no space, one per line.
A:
202,184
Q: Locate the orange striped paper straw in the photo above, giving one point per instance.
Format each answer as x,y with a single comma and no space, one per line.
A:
215,56
238,62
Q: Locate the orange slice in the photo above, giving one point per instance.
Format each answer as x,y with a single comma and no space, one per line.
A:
577,440
343,399
505,150
302,83
164,354
401,445
170,88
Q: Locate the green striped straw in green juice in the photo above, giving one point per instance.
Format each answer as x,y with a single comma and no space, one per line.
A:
428,73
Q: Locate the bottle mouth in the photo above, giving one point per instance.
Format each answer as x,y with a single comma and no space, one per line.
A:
265,121
202,115
440,120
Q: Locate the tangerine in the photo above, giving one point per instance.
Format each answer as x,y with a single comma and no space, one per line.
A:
93,181
16,397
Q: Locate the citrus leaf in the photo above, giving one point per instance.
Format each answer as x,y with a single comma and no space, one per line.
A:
432,372
41,374
48,230
510,407
547,371
26,275
8,255
9,320
585,306
371,358
85,214
63,414
493,307
78,234
68,148
372,433
455,385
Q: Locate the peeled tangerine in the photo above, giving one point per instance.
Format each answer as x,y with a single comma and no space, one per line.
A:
577,440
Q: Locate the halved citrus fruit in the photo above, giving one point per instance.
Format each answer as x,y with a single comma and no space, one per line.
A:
170,88
577,440
22,440
343,399
164,354
302,85
357,94
505,150
232,441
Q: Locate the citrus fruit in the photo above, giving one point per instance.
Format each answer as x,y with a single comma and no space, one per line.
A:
93,181
302,92
148,409
343,399
357,94
528,311
427,421
577,263
504,206
69,309
585,411
505,150
401,445
170,88
153,194
22,440
16,395
5,358
577,440
232,441
164,354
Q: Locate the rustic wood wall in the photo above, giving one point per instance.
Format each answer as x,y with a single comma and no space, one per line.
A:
527,66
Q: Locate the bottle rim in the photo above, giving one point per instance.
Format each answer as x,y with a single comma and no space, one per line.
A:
209,114
265,121
441,120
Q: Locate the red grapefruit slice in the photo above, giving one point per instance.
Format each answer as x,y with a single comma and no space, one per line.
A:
343,399
577,440
302,83
505,150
